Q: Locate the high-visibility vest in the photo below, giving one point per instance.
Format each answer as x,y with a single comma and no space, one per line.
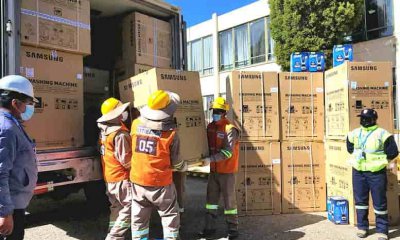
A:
151,160
113,171
217,134
368,152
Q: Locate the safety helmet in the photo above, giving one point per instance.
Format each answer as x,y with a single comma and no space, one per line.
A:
158,100
19,84
220,103
109,105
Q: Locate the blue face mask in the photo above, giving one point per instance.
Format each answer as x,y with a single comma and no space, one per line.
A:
216,117
29,111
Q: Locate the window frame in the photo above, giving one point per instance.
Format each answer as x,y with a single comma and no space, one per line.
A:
203,71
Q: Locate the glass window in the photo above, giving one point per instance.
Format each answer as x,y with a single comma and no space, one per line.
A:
257,33
226,50
207,55
241,46
207,101
195,53
379,18
189,56
270,42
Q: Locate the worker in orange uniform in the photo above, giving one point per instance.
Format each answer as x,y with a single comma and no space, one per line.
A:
116,159
224,159
155,146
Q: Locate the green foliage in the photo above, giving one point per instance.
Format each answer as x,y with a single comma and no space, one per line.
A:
311,25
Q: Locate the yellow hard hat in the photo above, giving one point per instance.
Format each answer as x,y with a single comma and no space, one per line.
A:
109,105
220,103
158,100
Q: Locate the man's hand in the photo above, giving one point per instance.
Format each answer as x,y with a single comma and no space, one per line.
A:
6,225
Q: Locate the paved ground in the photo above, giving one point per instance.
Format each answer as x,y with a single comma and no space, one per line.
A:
73,218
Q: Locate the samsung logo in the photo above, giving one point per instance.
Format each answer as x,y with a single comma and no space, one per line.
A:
364,68
173,77
250,76
298,148
334,73
133,84
296,78
252,148
43,56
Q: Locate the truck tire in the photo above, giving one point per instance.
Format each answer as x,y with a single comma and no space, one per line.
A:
95,193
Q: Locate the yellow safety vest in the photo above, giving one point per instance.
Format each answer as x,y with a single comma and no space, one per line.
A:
369,152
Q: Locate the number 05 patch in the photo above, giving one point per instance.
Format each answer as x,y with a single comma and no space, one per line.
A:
147,145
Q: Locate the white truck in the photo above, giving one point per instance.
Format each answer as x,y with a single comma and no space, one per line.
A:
63,171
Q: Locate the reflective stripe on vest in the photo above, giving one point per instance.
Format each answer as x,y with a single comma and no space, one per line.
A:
217,134
113,171
368,152
151,161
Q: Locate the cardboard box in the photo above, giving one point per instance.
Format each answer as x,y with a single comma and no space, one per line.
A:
352,87
299,62
254,100
303,177
342,53
146,40
62,25
258,184
189,115
95,80
126,69
57,79
302,106
339,182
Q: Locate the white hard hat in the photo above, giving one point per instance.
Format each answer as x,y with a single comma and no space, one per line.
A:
18,84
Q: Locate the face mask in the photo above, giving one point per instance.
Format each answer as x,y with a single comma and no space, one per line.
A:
367,122
216,117
29,111
125,116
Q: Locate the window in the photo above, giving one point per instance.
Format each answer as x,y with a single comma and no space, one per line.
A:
270,42
226,50
377,21
195,53
379,18
207,101
207,56
241,46
257,33
200,56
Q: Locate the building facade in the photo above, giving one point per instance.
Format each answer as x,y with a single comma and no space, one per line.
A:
241,40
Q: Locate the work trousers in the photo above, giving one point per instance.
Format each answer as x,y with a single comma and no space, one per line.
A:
120,197
164,199
221,184
18,232
376,183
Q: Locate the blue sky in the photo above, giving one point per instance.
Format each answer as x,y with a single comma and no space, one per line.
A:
197,11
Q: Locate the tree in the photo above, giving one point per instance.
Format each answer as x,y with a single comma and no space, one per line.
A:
311,25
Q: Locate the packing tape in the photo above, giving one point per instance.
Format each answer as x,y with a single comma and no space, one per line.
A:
55,19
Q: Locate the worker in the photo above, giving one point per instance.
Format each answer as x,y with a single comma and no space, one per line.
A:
116,160
155,145
224,157
371,148
18,169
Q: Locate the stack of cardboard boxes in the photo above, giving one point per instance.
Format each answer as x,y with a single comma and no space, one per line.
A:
349,88
255,110
303,161
281,118
146,43
55,37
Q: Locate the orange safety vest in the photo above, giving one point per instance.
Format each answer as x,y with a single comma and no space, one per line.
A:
113,171
217,133
151,160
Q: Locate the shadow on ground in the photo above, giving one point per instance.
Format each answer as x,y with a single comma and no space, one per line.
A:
81,221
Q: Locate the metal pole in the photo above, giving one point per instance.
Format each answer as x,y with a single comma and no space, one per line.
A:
216,56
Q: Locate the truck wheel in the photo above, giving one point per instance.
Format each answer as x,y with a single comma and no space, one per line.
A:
95,193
